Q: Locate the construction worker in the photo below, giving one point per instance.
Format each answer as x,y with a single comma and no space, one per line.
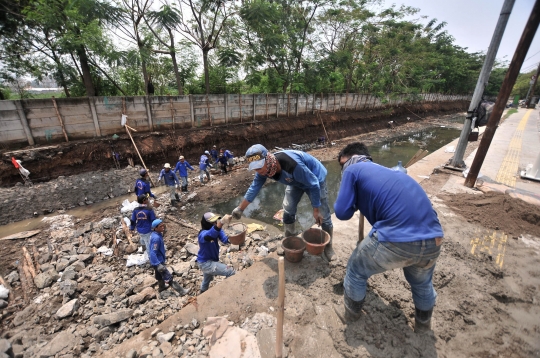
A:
181,168
142,185
222,163
204,163
208,255
301,173
215,154
171,181
406,232
142,218
157,257
230,157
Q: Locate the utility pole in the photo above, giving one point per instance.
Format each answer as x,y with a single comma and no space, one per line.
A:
483,79
531,87
506,88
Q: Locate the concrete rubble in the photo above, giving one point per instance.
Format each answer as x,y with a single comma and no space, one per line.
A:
87,302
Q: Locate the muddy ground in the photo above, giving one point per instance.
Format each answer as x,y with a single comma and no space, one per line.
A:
487,280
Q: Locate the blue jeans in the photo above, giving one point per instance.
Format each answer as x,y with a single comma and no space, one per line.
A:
144,240
202,173
292,197
211,269
417,259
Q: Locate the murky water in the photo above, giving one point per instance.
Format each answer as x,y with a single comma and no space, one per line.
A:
269,200
387,153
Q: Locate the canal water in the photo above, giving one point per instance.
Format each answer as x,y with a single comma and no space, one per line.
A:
386,153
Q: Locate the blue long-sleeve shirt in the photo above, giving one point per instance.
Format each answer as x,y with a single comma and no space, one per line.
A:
203,162
214,153
182,168
394,204
142,187
157,249
298,169
228,154
208,244
169,177
142,218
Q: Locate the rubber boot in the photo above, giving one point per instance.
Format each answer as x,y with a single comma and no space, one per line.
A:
422,320
176,286
328,250
351,310
161,286
290,229
177,196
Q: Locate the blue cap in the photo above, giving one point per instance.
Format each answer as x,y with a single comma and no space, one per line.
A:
255,156
156,222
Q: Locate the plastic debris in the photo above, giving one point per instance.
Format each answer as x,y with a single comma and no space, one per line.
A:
136,259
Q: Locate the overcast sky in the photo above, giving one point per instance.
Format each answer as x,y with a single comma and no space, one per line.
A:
472,22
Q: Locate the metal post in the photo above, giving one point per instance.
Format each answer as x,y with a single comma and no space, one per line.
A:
506,10
531,87
506,88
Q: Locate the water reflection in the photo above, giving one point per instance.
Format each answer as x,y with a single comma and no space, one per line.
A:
386,153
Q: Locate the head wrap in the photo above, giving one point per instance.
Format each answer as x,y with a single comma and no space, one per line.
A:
355,159
271,165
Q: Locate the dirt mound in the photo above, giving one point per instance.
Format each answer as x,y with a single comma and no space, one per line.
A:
520,217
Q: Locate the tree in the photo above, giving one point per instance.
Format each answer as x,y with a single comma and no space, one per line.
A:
202,24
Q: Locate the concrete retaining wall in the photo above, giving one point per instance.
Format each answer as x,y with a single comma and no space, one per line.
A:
37,121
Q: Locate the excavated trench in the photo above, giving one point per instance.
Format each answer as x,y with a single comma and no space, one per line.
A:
50,162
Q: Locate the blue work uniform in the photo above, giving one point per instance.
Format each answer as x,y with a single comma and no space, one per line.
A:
142,218
394,203
169,177
182,168
157,249
214,153
142,187
208,244
203,162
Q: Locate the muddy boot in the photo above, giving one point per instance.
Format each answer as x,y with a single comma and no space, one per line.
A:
173,202
422,320
176,286
161,286
328,250
290,229
350,311
184,189
177,196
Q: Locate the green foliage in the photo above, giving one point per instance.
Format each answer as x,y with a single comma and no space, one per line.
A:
521,87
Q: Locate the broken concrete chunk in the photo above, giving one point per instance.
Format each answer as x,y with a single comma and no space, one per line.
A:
45,279
112,318
165,337
63,340
192,248
68,287
68,309
143,296
12,277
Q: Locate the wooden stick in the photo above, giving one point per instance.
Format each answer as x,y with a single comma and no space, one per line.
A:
182,223
361,228
2,282
414,157
172,112
280,308
126,230
29,262
60,119
36,258
115,245
24,281
327,138
140,157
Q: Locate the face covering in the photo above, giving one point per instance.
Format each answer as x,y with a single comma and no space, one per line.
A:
355,159
271,165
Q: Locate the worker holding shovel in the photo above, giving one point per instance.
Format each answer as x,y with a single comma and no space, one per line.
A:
406,232
301,173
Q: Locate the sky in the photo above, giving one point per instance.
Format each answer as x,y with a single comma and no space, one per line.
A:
472,22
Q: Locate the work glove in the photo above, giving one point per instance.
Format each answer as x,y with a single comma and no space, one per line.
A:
237,213
226,220
161,268
176,186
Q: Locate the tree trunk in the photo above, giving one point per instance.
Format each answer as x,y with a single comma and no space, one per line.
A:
206,71
176,73
87,75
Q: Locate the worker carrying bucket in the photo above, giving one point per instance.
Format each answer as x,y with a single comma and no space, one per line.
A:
301,173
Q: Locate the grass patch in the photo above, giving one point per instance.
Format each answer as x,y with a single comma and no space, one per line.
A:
509,113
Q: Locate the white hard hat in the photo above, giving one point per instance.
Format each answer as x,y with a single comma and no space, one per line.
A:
167,165
181,157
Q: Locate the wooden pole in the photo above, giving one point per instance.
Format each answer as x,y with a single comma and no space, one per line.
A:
334,105
361,228
506,87
280,308
60,118
139,154
266,113
240,103
254,107
327,138
172,112
29,262
208,110
24,122
288,103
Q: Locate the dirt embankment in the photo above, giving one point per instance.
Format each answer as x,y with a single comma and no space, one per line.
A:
46,163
